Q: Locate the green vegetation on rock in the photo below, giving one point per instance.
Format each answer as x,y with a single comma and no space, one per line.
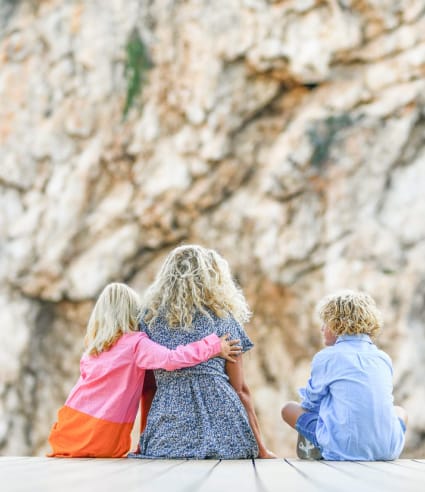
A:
322,135
137,65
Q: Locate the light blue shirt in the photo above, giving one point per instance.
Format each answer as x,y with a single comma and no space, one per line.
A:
351,388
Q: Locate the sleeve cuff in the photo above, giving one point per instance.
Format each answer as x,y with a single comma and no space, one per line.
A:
215,343
301,392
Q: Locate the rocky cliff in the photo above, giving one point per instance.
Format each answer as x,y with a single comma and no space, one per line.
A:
289,135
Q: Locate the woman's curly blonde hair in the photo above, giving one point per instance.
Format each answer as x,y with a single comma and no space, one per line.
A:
193,279
350,313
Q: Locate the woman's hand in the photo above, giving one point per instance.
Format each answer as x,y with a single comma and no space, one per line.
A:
265,454
229,348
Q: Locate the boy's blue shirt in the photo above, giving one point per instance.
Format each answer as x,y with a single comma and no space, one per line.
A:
350,387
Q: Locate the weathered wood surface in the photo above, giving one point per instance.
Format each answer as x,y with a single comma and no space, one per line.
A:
20,474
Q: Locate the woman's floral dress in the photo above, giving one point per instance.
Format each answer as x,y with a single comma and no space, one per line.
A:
196,413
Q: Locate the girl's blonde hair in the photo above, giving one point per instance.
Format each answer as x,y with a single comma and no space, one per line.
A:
350,313
114,314
193,279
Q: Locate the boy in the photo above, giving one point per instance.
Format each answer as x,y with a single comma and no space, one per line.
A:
347,411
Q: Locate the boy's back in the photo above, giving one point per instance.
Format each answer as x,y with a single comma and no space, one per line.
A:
347,411
351,389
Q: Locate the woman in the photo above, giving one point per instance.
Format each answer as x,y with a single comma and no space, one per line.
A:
205,411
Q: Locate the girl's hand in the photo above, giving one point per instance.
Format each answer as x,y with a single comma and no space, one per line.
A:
265,454
229,348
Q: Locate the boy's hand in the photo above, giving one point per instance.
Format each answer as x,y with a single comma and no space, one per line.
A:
229,348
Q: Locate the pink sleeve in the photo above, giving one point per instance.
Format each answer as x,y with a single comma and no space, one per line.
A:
151,355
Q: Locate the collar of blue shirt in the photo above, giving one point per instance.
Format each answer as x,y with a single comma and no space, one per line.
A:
362,337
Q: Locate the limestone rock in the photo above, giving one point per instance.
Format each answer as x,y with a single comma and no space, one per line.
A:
287,135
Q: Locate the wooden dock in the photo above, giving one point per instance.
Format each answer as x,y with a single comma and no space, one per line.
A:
21,474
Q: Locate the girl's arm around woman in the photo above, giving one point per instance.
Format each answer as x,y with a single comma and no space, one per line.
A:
151,355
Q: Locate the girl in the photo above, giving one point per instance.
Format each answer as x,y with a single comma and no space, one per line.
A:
98,416
205,411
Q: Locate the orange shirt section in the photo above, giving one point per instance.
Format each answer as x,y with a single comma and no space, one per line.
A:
77,434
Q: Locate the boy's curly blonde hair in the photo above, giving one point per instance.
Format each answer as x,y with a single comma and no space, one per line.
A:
350,313
193,279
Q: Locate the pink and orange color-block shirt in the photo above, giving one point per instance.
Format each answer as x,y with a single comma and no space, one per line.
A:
98,416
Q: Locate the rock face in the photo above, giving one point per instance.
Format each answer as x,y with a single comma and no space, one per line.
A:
290,136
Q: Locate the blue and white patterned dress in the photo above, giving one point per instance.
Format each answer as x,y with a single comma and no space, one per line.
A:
196,413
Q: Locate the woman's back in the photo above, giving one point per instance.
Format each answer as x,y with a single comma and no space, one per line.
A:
196,413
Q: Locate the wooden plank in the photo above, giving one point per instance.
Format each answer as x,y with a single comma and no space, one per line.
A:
133,475
418,461
367,476
238,475
108,475
395,474
141,473
408,464
51,475
187,476
278,475
331,476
